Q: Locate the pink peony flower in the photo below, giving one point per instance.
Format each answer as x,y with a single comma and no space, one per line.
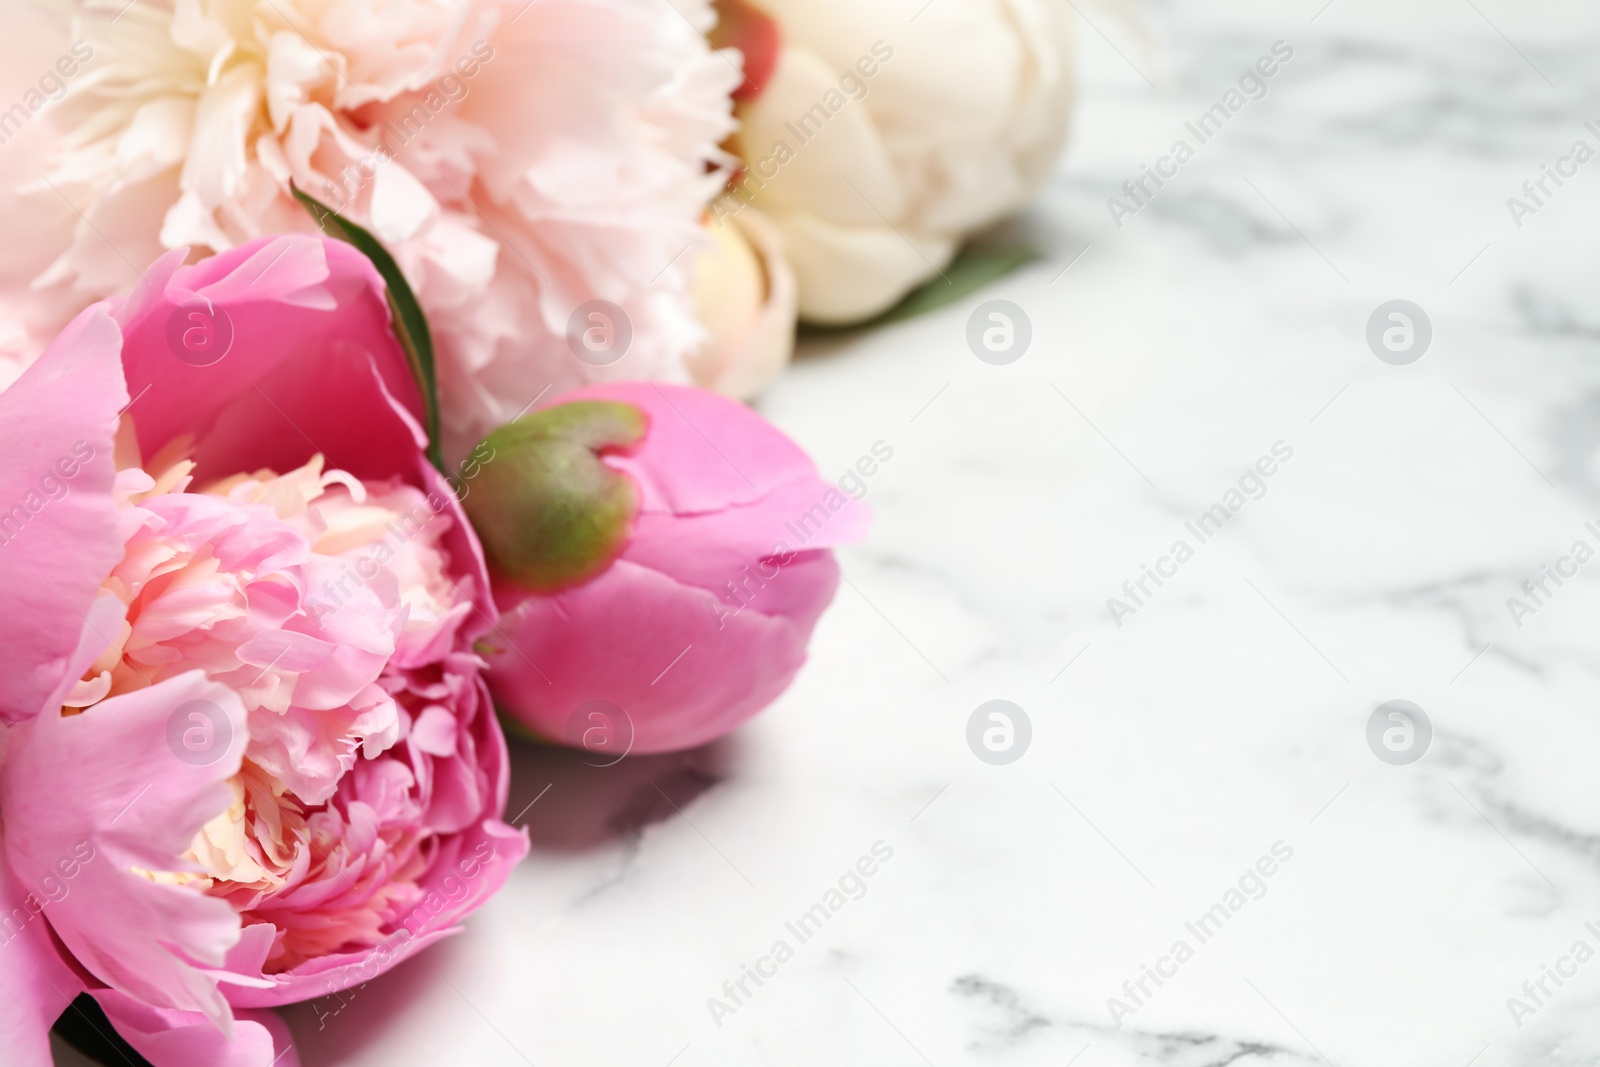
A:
520,158
660,557
248,757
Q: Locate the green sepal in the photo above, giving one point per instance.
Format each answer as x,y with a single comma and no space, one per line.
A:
549,513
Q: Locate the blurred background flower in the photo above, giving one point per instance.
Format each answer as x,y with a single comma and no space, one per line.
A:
747,299
518,157
875,157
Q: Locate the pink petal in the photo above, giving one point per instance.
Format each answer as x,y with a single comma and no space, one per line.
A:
309,322
58,417
696,666
108,781
186,1039
704,452
35,984
713,549
471,867
461,543
291,651
434,732
105,618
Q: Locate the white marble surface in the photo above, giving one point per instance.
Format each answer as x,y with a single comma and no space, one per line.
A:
1227,714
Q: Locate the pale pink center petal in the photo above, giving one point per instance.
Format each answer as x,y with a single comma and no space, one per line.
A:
326,604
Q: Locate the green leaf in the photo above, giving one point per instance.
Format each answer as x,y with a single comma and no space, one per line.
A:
550,514
975,267
410,325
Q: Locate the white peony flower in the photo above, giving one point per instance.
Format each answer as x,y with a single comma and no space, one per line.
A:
881,141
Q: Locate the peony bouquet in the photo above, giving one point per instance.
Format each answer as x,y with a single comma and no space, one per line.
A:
370,386
249,754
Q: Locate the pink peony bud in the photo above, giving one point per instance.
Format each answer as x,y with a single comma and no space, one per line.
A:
660,555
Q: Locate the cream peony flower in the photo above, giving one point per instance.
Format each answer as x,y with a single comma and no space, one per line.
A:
746,296
519,157
880,142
